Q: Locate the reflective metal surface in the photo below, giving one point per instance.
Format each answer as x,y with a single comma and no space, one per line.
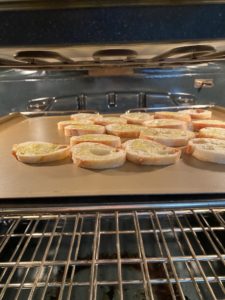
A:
116,102
141,254
81,57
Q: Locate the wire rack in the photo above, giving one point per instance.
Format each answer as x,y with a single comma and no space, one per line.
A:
150,254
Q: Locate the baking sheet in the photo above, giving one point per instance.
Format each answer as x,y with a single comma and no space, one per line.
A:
18,180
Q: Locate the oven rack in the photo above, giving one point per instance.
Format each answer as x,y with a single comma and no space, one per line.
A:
134,254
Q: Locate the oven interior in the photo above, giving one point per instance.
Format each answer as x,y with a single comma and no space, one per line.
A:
111,78
112,252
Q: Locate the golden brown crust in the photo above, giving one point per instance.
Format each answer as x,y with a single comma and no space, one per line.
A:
199,124
110,140
167,136
146,152
207,149
137,118
97,156
172,115
198,114
124,131
60,152
76,130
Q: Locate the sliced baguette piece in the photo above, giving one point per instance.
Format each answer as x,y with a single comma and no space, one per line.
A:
124,131
62,124
146,152
137,118
198,113
199,124
172,115
40,152
206,149
212,132
109,120
106,139
97,156
84,116
80,129
167,136
166,123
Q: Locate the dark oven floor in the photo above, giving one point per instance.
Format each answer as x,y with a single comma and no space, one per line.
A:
172,254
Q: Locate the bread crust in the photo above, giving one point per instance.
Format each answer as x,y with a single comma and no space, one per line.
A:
110,120
212,132
172,115
81,129
151,153
84,116
137,118
198,113
166,123
62,124
199,124
110,140
97,156
62,152
167,136
124,131
206,149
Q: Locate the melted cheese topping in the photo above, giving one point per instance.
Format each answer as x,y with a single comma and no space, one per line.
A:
36,148
210,144
84,116
136,116
93,151
95,137
166,133
148,147
213,132
84,126
162,122
126,127
111,120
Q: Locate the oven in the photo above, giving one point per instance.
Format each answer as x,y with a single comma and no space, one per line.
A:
137,232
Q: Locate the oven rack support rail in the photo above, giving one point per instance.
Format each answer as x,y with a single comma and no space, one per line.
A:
113,254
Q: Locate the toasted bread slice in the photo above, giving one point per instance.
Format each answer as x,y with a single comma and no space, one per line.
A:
106,139
84,116
199,124
40,152
62,124
146,152
198,113
97,156
168,137
110,120
172,115
136,118
166,123
212,132
81,129
211,150
124,131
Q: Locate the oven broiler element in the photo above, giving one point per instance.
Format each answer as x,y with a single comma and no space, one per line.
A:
129,56
141,254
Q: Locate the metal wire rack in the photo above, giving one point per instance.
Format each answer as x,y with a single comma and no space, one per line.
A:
150,254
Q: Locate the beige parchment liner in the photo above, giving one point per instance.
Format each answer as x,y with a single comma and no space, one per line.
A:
63,178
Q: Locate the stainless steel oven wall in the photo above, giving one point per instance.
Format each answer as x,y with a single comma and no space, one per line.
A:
205,82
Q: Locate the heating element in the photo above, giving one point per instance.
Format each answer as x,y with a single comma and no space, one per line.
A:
134,254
